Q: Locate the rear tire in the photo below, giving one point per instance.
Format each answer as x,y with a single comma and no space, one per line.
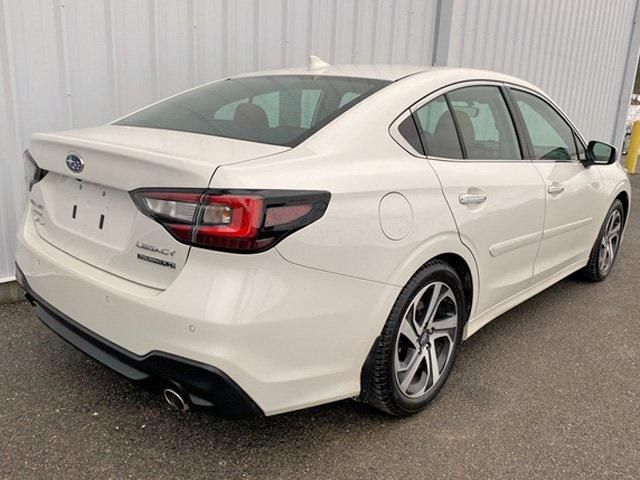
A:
416,350
606,247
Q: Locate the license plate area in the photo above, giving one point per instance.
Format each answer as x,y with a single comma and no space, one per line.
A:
100,214
102,227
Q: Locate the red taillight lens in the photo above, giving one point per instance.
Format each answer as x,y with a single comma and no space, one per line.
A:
230,220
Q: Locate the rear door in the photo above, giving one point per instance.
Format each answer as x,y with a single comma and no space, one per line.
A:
496,197
575,195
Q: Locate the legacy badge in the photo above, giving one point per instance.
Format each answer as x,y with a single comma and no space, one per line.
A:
152,248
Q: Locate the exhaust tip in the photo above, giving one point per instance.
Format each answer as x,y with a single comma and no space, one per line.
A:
175,400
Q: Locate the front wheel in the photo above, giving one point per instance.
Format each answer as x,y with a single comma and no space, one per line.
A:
416,350
606,247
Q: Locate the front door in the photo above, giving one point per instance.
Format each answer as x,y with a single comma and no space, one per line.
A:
574,193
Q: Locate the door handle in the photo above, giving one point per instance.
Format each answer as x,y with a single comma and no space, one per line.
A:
555,189
469,198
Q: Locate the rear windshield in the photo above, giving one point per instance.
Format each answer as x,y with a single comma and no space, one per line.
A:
279,110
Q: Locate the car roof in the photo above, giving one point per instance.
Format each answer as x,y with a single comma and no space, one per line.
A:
374,71
393,73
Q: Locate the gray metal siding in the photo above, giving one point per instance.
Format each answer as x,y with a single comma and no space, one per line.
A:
76,63
575,50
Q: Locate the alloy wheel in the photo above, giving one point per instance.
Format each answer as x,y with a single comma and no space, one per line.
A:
426,339
610,241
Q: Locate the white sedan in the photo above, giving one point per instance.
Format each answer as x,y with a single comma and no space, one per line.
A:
284,239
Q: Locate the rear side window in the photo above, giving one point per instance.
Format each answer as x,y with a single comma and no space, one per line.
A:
437,130
280,110
407,128
484,123
551,137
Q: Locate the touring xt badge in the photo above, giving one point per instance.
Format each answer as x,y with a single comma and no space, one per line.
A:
157,261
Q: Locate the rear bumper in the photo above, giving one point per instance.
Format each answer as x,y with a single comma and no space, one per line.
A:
204,385
288,336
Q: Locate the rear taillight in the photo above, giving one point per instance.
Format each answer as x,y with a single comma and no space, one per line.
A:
231,220
32,172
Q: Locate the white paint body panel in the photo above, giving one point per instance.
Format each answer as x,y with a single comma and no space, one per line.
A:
292,326
504,231
573,216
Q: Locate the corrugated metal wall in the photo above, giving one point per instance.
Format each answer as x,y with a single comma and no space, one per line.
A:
575,50
75,63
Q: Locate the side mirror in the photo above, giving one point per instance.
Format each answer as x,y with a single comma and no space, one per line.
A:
600,153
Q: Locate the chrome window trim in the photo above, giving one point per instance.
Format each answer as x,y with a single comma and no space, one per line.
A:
478,160
395,134
456,86
453,86
554,106
551,103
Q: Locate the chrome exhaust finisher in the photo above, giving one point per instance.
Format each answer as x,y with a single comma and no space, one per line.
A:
197,384
175,400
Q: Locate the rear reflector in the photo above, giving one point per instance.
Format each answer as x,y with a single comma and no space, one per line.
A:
244,221
285,214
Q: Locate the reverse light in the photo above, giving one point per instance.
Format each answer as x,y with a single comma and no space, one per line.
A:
217,214
244,221
180,207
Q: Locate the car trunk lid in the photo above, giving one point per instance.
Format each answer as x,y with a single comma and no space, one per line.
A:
90,214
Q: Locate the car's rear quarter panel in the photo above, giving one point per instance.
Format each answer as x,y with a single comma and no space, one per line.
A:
359,163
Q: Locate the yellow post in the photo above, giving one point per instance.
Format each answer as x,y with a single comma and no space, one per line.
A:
634,147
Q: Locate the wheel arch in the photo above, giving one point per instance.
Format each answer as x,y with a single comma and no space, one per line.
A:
617,189
463,270
451,250
623,196
466,268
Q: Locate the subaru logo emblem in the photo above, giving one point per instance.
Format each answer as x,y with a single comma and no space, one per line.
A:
75,163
